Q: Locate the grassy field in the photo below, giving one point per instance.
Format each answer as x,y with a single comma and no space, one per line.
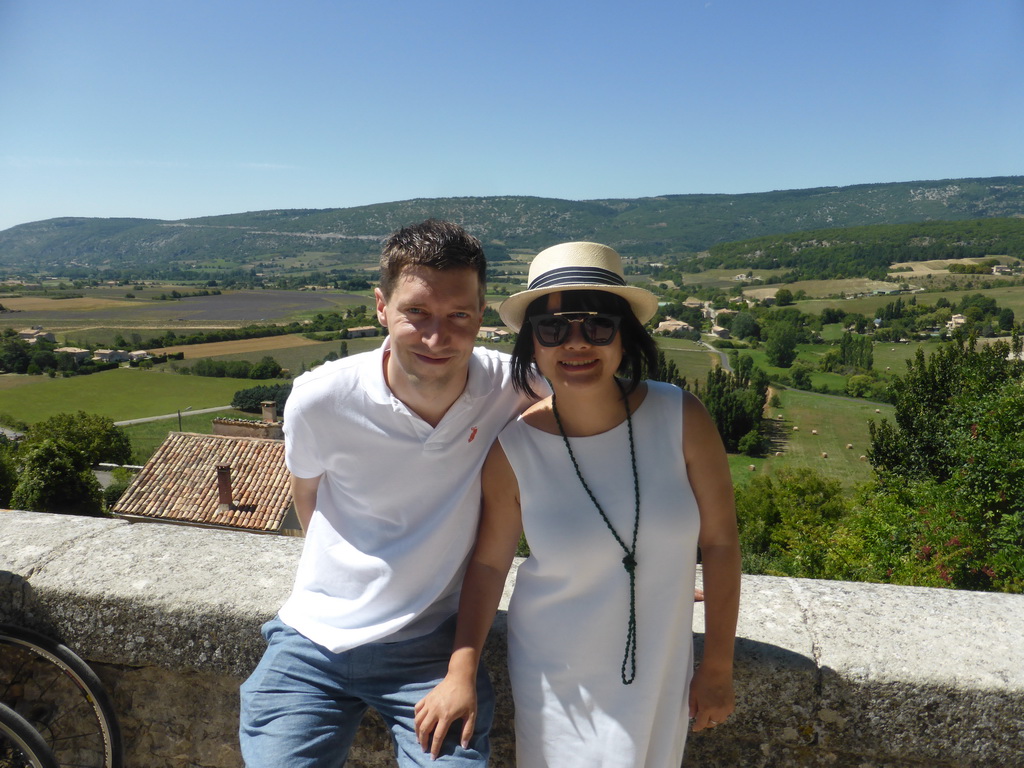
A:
838,422
692,359
121,394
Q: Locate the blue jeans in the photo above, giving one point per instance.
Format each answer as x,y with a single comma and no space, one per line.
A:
302,704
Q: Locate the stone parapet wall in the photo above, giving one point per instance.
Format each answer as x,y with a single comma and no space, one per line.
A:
828,673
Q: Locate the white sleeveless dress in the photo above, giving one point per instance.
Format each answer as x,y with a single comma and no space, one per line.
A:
569,613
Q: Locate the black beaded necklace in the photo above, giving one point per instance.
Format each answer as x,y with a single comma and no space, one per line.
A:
629,561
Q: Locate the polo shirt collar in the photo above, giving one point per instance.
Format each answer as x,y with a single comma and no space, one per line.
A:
373,381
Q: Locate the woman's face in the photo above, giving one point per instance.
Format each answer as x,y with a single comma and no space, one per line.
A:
576,362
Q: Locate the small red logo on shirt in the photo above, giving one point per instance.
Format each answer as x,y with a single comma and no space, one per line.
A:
472,435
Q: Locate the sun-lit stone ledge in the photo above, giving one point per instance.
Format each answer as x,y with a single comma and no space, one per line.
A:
828,673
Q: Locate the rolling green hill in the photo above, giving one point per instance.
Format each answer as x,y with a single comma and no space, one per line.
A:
652,226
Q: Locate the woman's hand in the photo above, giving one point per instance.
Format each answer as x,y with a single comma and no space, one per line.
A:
453,699
712,698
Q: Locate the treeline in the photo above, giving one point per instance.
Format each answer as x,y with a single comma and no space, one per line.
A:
41,358
251,400
266,368
861,251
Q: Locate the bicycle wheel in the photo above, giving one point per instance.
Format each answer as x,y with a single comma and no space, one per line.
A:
21,746
61,698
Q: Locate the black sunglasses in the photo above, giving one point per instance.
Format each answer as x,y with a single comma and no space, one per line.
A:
552,330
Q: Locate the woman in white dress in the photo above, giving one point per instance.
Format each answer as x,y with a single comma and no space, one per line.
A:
616,483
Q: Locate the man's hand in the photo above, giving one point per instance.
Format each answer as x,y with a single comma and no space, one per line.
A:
449,702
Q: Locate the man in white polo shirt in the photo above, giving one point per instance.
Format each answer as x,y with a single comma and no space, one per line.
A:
385,450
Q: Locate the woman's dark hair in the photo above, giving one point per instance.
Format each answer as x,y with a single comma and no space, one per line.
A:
639,351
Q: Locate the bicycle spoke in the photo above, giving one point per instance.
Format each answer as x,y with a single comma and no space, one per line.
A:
59,696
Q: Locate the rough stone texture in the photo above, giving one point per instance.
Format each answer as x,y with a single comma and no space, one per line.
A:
828,673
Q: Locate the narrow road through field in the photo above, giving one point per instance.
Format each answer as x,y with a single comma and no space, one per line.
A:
723,355
174,415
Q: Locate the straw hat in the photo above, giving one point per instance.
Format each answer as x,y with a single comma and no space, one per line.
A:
572,267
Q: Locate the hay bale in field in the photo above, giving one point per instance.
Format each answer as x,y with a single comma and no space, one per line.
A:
824,455
849,446
814,431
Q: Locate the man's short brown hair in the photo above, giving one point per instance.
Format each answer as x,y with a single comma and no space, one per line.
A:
433,243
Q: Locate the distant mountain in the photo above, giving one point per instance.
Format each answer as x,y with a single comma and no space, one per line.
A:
655,226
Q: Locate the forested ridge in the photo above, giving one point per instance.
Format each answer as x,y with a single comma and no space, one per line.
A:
669,225
866,251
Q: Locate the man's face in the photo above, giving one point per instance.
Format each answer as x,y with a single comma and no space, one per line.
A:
433,317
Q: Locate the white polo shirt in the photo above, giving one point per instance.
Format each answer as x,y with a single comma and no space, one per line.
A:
398,502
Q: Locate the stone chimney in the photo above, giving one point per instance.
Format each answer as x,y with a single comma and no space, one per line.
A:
269,411
225,502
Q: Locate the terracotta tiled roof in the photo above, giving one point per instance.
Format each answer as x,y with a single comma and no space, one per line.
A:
179,484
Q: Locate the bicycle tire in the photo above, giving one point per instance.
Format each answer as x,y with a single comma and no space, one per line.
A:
21,745
52,688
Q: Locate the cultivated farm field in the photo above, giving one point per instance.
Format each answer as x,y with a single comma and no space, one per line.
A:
231,309
243,348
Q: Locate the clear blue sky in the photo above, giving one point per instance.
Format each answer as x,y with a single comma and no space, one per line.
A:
179,109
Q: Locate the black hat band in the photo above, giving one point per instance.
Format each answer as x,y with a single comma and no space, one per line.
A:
575,276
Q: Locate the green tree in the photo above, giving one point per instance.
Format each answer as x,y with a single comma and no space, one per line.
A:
859,385
800,375
744,326
783,297
15,355
787,521
780,349
735,404
95,437
8,472
917,444
954,464
751,444
251,399
267,368
56,477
